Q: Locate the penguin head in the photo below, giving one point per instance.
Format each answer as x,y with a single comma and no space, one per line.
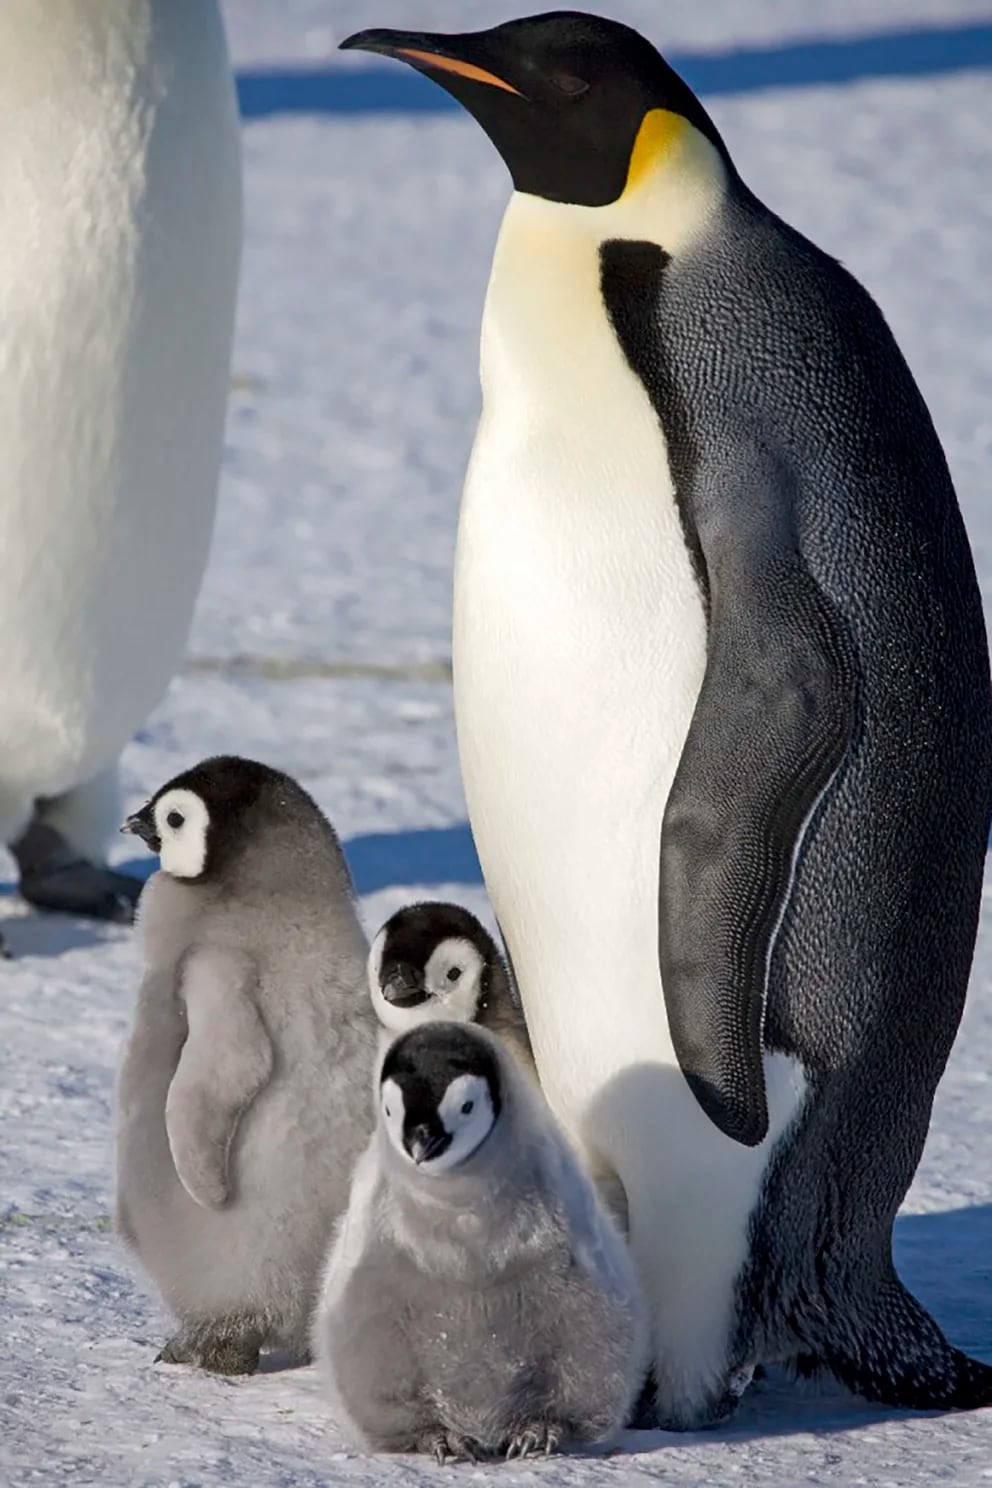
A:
430,961
175,824
206,819
439,1095
580,108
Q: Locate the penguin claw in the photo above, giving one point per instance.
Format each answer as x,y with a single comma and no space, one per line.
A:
540,1439
447,1447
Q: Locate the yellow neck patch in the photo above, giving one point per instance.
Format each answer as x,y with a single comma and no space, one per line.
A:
659,131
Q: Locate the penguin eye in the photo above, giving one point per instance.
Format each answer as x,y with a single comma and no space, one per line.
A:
387,1111
454,974
175,820
567,83
468,1108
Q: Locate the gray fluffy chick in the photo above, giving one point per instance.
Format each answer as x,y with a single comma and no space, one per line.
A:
478,1299
244,1091
434,960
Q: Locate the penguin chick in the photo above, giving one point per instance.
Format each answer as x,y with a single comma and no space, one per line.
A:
477,1299
432,961
243,1095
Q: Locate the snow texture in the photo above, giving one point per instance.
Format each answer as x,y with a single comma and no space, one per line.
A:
321,644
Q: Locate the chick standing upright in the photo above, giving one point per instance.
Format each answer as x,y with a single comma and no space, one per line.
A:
243,1099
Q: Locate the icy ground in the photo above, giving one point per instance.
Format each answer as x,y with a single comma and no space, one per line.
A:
321,644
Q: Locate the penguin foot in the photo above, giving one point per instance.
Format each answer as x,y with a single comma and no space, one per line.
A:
6,954
81,888
178,1350
540,1437
54,877
719,1407
448,1446
217,1353
231,1355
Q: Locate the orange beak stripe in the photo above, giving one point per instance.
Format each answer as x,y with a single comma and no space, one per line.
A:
463,69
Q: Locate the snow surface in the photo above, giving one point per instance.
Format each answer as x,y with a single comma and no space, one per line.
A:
322,644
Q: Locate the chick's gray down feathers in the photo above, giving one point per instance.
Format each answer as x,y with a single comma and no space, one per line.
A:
490,1309
244,1089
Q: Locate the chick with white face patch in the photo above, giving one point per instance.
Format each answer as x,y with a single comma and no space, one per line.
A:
477,1299
714,611
431,961
243,1093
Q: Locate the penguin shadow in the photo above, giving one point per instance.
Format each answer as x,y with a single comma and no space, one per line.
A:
34,936
942,1257
278,1362
425,857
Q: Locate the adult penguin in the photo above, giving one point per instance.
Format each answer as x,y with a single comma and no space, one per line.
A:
121,232
719,647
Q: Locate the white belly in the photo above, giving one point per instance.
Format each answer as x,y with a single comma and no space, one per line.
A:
579,650
579,647
120,223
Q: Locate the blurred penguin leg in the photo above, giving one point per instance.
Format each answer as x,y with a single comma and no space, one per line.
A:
61,854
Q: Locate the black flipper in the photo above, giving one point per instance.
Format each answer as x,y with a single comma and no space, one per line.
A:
774,717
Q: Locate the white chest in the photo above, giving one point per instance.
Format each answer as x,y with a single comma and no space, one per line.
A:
579,647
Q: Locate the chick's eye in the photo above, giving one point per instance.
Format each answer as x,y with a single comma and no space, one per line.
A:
468,1108
567,83
388,1111
454,974
175,819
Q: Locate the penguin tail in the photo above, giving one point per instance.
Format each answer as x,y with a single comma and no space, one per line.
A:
896,1355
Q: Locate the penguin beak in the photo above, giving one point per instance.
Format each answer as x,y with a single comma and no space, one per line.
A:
142,824
448,60
423,1144
403,988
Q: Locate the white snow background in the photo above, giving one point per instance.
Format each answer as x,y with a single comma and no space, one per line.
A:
321,644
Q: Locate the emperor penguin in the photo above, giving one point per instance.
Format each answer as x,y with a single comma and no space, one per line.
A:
243,1101
723,711
477,1298
121,230
436,961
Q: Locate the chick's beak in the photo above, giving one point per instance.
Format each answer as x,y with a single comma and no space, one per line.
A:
142,825
423,1144
403,987
452,55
